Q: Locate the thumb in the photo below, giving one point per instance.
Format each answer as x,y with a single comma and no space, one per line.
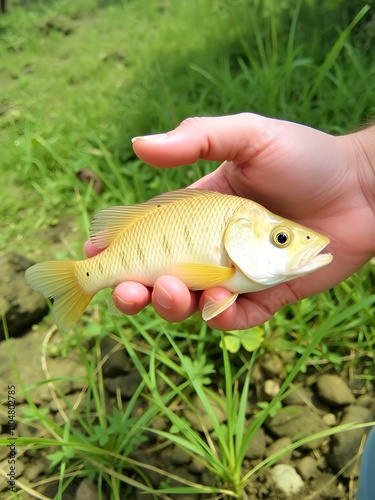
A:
235,138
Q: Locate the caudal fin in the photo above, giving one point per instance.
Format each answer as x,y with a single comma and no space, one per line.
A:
57,280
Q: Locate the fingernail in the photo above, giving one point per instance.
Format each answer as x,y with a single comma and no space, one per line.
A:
152,138
124,303
163,297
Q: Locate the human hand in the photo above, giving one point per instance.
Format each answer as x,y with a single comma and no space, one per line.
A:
321,181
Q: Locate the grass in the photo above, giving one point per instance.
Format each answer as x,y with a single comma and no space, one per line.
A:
78,80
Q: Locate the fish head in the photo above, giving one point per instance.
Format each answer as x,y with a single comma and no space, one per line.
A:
269,249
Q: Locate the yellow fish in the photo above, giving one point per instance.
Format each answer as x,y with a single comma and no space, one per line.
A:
204,238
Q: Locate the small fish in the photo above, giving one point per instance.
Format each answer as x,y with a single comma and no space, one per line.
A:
204,238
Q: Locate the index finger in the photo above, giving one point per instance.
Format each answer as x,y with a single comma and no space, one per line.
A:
235,138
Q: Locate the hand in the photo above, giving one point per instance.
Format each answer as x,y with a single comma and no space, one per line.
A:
323,182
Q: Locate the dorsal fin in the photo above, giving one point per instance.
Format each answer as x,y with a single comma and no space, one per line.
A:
178,195
110,222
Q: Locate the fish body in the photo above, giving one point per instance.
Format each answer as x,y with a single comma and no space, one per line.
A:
204,238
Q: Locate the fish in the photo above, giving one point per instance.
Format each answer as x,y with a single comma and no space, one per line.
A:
204,238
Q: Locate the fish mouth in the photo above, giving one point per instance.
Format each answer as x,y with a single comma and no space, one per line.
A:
309,260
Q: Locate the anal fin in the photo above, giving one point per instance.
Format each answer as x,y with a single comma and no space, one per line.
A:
112,309
201,276
214,307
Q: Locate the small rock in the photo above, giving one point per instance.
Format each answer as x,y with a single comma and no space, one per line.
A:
271,388
345,445
72,402
160,424
34,469
287,479
326,483
257,447
200,419
305,396
27,429
307,467
183,473
279,445
152,474
334,390
196,467
126,383
366,400
208,478
88,491
179,457
329,419
27,353
117,362
271,364
296,422
21,306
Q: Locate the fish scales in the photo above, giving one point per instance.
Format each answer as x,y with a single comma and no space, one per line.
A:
143,244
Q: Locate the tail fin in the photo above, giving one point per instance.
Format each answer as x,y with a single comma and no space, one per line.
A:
57,280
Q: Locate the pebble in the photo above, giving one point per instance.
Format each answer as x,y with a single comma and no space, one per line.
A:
279,445
366,400
271,388
126,383
334,390
183,473
179,457
305,396
117,362
208,478
196,466
307,467
88,491
345,445
257,447
287,479
34,469
297,421
200,419
271,364
329,419
21,306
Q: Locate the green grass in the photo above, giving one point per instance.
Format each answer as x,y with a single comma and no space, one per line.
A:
78,80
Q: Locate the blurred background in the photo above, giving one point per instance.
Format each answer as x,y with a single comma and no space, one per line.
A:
79,79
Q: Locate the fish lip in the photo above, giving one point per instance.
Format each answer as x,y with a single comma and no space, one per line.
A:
312,259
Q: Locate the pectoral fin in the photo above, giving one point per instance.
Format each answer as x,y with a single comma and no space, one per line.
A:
214,307
201,276
112,309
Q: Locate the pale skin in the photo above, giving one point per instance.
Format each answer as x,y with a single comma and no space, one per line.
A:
322,181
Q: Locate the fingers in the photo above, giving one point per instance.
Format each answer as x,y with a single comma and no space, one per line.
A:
91,250
244,313
131,297
171,299
234,138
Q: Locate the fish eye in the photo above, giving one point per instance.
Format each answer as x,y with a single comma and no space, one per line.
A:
281,237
